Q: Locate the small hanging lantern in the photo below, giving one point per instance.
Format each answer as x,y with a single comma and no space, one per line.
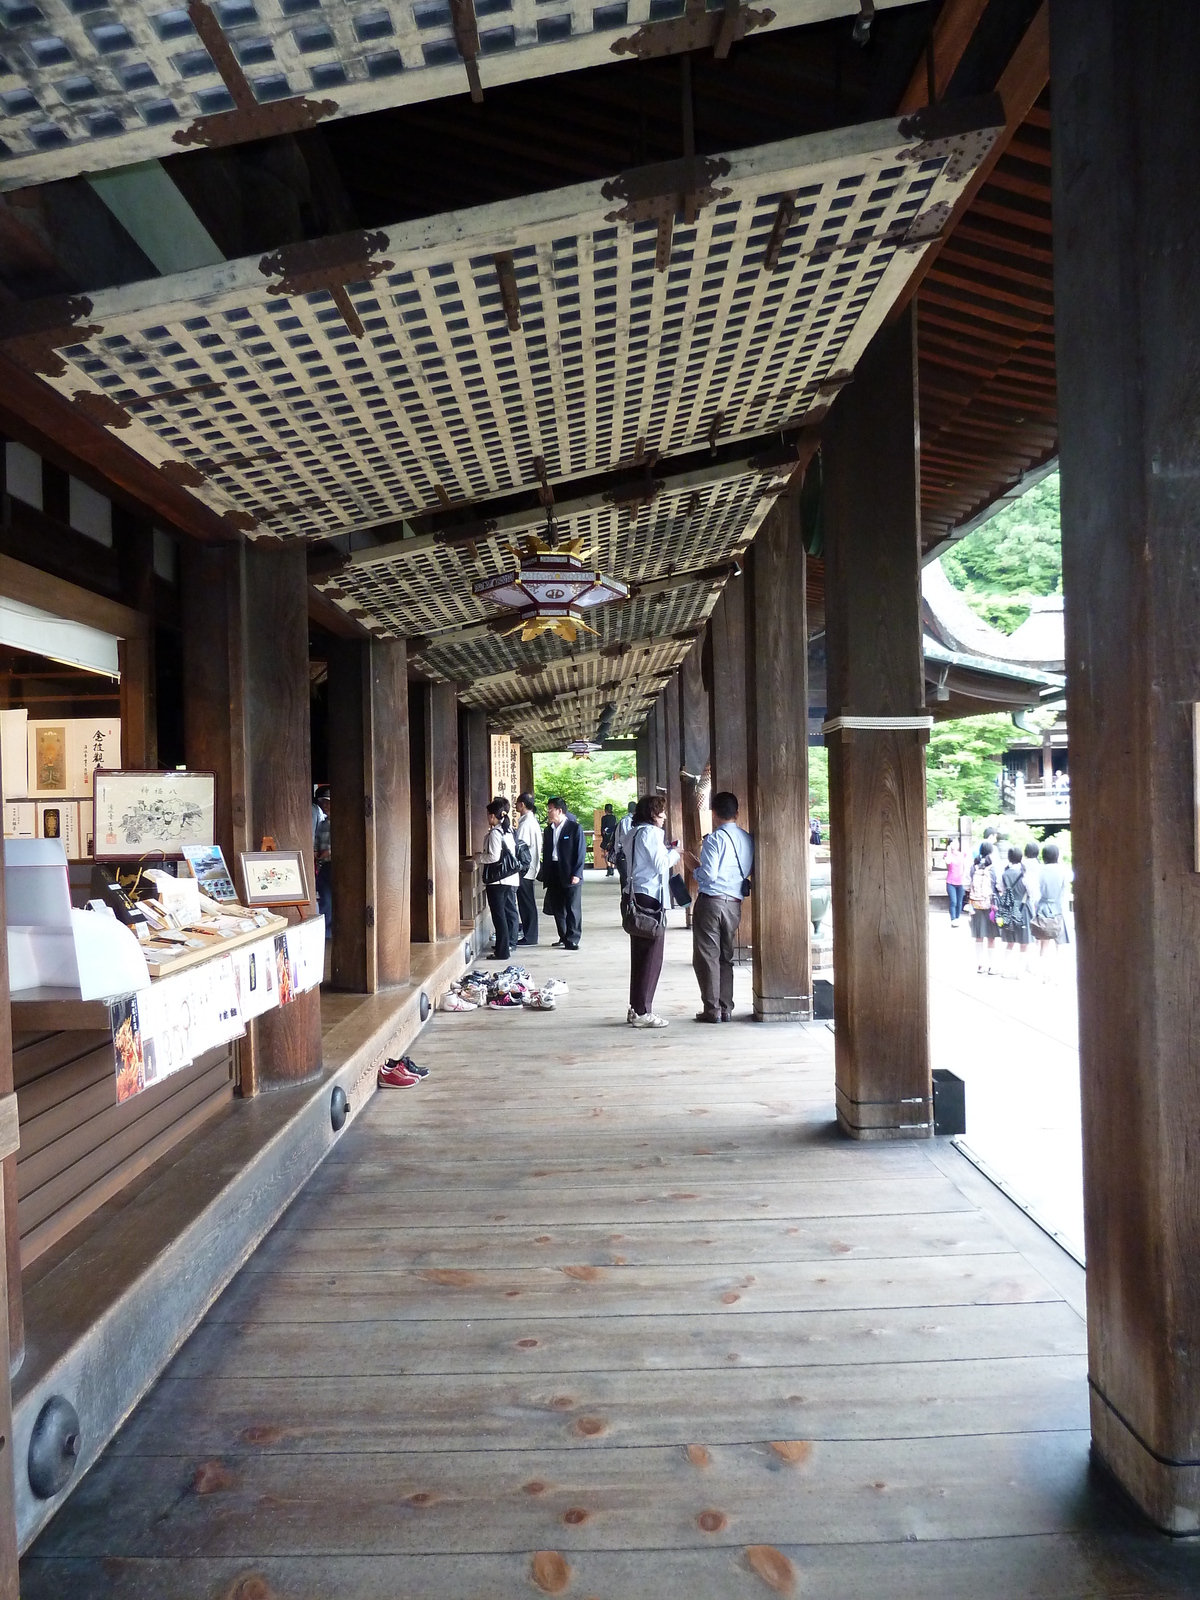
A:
582,749
552,588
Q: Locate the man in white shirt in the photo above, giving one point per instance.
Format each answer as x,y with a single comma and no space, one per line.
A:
528,832
722,881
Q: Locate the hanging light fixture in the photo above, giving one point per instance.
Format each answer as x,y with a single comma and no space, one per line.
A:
582,749
552,588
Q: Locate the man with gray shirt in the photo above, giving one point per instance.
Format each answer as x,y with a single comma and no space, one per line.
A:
722,882
528,832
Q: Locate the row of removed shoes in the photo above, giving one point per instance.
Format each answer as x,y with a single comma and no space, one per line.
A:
401,1073
510,990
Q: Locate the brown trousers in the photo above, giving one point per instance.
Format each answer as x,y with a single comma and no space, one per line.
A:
715,920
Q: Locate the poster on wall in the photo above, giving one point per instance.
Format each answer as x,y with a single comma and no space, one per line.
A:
47,755
91,746
501,772
141,814
14,752
514,769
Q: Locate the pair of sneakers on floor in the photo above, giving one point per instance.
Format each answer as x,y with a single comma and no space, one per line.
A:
648,1019
402,1073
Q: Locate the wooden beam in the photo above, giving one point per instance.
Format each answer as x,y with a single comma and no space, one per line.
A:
1022,81
32,587
952,33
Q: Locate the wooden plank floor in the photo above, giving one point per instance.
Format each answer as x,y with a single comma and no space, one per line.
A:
619,1316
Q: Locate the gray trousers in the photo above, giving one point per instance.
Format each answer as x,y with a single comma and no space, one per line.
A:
715,920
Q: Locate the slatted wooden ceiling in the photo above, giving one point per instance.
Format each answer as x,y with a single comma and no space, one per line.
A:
986,340
297,411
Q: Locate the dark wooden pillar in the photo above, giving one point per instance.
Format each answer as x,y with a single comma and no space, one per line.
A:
12,1238
279,773
134,543
1126,143
777,765
246,718
672,757
643,758
654,746
878,729
442,760
526,770
421,813
695,739
392,806
474,777
370,819
725,647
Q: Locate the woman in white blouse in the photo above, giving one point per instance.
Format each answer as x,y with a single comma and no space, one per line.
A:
650,862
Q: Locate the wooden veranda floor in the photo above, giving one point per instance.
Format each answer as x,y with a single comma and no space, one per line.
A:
620,1316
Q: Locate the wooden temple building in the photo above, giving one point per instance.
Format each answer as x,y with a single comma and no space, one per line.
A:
317,316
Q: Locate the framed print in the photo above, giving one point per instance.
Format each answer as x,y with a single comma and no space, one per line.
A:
274,878
141,814
59,819
207,863
48,743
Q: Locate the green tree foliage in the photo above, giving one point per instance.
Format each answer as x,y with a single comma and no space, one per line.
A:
962,765
1012,558
588,784
818,783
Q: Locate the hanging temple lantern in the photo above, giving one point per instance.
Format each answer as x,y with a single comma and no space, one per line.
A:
552,588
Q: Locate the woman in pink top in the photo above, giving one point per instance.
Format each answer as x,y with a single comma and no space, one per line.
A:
956,873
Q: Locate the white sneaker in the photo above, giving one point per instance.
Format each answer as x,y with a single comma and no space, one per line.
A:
650,1020
456,1002
557,986
630,1014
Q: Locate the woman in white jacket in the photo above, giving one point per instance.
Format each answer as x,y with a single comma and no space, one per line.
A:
501,891
649,863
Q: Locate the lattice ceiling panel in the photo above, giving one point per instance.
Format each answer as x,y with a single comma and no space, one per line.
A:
271,410
86,87
432,588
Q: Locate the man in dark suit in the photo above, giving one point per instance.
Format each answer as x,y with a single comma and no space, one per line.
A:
563,853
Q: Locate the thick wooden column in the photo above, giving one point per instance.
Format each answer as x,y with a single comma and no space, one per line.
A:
695,739
526,770
1126,143
370,821
442,767
134,543
246,718
877,772
654,746
725,646
474,777
423,921
12,1238
672,737
279,774
643,758
777,759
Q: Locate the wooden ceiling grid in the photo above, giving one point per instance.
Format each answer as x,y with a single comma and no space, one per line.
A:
986,340
292,426
88,86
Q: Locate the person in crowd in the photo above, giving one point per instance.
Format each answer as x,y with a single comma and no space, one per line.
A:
982,897
608,836
989,838
649,863
624,828
499,850
530,833
814,830
1033,870
1015,911
722,882
563,854
323,857
956,879
1050,909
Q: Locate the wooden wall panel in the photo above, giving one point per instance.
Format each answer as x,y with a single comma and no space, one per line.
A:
1126,140
392,806
443,765
877,776
777,762
474,779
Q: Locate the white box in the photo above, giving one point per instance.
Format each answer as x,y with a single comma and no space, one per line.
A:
59,819
20,819
91,743
14,752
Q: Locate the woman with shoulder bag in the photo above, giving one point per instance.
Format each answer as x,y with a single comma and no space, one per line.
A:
1049,916
501,875
1014,911
644,907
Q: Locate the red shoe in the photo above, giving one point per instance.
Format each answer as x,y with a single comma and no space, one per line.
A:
397,1076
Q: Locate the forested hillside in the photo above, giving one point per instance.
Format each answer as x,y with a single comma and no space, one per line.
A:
1011,559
